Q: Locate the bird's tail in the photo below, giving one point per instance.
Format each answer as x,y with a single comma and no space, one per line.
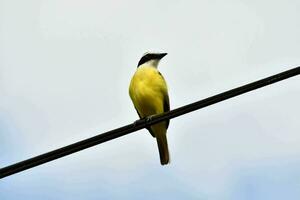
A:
162,144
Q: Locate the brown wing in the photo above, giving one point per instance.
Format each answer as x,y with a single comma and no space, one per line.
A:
167,108
166,103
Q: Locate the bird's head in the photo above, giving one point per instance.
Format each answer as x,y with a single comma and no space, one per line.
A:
151,59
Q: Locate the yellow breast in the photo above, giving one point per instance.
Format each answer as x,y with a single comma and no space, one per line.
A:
147,89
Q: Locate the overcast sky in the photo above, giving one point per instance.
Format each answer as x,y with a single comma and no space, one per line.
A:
65,68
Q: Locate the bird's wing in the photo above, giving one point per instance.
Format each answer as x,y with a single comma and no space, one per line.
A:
166,107
166,102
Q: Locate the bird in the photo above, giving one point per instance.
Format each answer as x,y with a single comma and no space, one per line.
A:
149,93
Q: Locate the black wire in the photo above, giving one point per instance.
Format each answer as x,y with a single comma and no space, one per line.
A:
142,123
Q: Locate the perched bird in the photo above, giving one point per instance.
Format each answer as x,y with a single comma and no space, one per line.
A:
149,94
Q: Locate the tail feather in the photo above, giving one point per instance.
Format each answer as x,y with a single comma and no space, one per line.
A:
162,144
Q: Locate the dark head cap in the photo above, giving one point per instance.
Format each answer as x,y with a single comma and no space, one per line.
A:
151,56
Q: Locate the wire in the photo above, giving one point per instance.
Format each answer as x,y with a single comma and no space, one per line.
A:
142,123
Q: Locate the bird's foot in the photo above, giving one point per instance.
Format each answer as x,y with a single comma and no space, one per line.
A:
149,118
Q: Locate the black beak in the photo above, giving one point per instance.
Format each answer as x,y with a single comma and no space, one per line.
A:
161,55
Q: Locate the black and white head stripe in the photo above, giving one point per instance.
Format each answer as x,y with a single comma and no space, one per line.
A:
151,56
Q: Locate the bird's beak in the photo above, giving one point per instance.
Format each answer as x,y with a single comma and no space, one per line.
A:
161,55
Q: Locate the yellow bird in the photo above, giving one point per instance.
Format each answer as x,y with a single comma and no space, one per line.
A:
149,94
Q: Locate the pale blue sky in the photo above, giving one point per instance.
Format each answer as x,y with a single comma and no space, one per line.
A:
65,68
